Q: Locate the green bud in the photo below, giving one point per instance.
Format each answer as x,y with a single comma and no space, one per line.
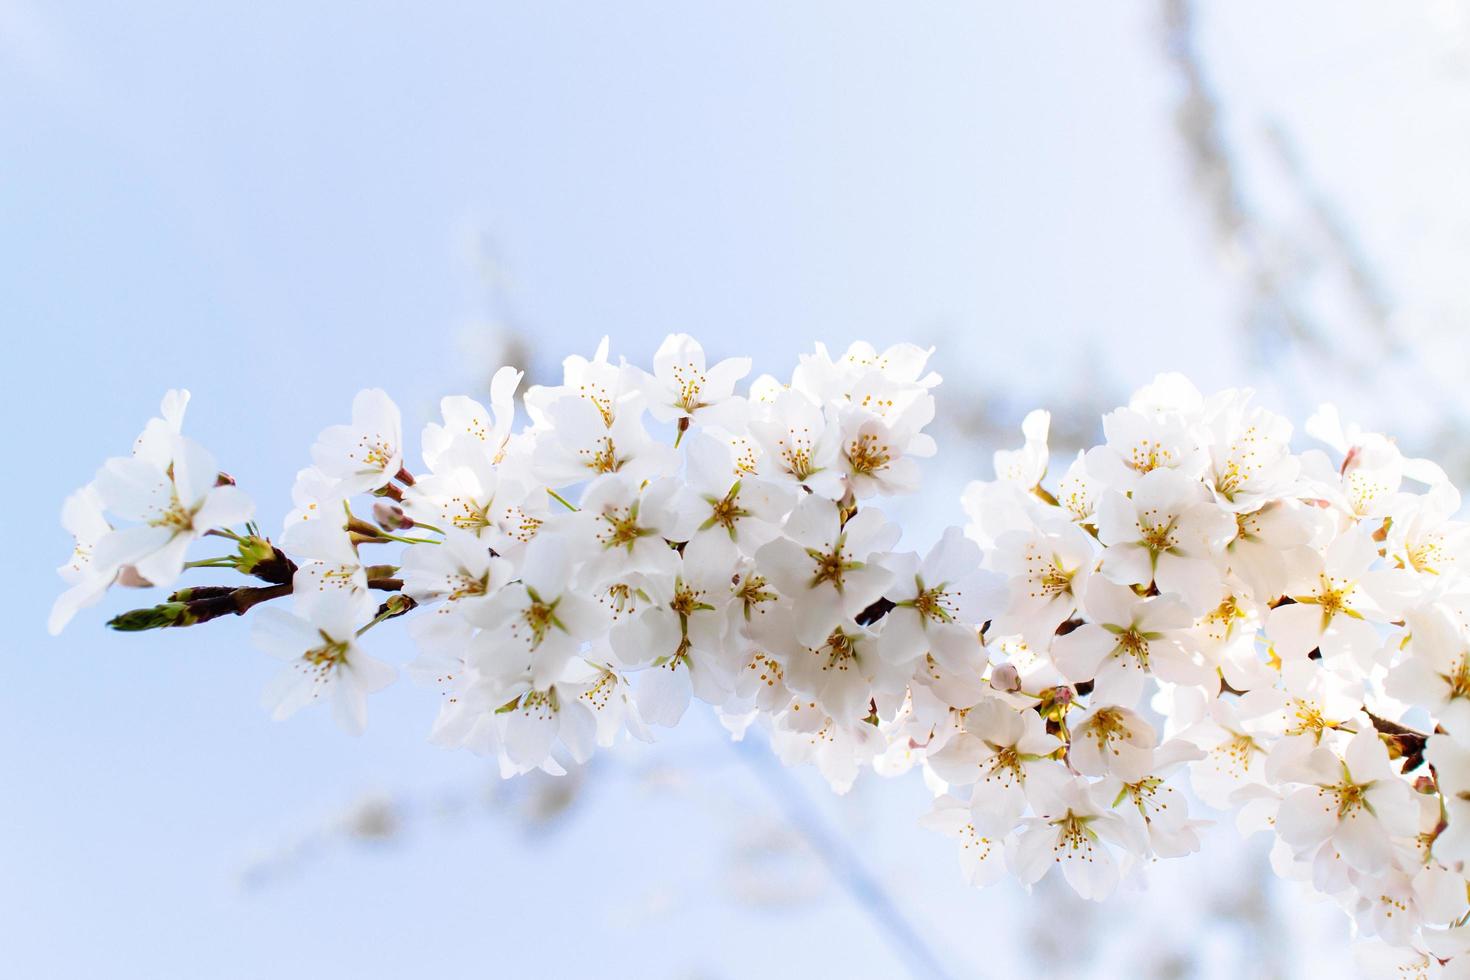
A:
152,618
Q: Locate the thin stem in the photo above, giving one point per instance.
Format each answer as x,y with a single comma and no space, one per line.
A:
223,561
384,535
385,614
561,500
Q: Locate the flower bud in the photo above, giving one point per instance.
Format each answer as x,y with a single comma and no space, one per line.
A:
128,577
152,618
390,516
1005,677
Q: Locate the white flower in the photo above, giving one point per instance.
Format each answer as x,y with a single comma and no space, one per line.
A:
536,624
1048,572
1232,740
585,438
819,376
311,492
800,445
459,574
157,442
87,581
537,714
1424,539
1451,762
1140,442
982,858
1113,740
1250,453
1435,673
681,636
176,503
1078,492
1128,638
1155,810
319,644
682,387
327,560
1073,834
830,570
843,673
468,492
881,427
607,692
1026,466
1358,803
366,454
1270,548
1166,533
1006,755
938,603
737,512
465,418
1335,601
625,527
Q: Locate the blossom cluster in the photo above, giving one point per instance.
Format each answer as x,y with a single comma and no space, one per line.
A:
1192,611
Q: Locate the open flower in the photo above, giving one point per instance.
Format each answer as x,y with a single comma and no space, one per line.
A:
624,527
467,419
1435,673
843,673
1006,755
1128,638
682,387
1358,803
86,581
939,603
175,504
829,569
1047,570
1336,601
680,635
1166,533
318,642
533,626
456,575
1073,833
799,445
366,454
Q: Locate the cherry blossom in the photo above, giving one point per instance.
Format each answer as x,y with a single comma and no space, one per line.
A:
318,642
1194,616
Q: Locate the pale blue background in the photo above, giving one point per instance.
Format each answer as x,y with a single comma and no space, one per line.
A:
274,206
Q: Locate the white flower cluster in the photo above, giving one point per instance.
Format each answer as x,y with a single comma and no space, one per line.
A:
1192,599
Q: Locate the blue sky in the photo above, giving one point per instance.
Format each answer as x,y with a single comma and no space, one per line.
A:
271,206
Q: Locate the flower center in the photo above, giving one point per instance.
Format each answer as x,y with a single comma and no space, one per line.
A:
796,453
603,458
328,655
688,381
866,455
829,566
1134,644
621,528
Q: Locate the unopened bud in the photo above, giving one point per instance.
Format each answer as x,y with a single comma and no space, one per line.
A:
224,480
1005,677
152,618
396,605
1425,785
390,516
128,577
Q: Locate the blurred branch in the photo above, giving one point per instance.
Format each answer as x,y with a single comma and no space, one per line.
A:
841,859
